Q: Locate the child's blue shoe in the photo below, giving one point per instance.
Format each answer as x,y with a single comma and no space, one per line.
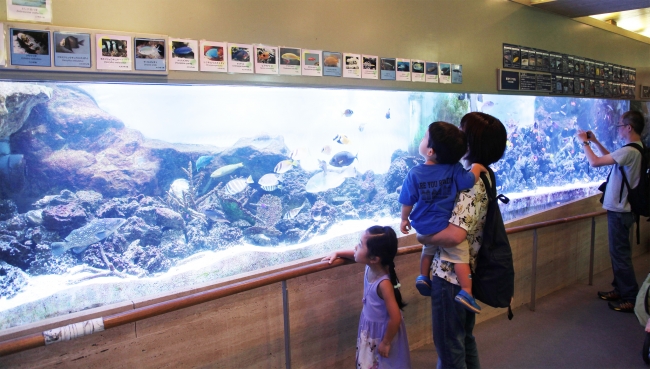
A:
468,302
423,284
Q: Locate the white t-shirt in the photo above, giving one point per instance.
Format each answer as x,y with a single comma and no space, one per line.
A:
630,159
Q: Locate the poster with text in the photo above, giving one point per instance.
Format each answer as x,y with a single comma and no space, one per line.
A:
332,63
183,54
369,68
351,65
239,58
150,54
213,56
290,61
3,52
445,73
403,70
30,48
312,63
417,70
431,72
72,49
266,59
511,56
113,52
387,66
30,10
456,73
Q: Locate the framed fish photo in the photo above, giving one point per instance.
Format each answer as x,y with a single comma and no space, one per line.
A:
239,58
312,61
456,73
645,92
403,72
72,49
417,71
445,73
387,66
114,52
266,59
431,72
30,48
150,54
290,61
30,10
351,65
183,55
369,67
213,56
332,64
3,52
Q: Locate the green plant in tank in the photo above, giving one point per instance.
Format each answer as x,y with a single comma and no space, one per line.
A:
185,198
433,108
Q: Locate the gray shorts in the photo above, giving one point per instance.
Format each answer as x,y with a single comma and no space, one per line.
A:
458,254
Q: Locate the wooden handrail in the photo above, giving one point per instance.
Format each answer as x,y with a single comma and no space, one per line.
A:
37,339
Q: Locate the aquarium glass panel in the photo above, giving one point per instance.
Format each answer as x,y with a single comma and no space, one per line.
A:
118,192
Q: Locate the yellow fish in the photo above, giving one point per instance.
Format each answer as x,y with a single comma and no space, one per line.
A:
290,56
342,139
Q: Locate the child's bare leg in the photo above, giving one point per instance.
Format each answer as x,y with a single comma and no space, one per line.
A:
425,264
464,274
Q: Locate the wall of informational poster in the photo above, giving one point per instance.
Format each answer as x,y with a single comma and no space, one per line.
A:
562,74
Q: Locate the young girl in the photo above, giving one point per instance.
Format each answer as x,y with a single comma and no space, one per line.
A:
381,339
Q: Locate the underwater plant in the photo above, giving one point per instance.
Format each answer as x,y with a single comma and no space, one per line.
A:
186,200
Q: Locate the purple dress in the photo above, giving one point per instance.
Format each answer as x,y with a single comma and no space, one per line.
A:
372,325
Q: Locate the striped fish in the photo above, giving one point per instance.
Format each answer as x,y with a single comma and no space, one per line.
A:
293,212
238,185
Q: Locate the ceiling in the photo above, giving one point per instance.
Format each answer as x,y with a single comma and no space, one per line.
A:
631,15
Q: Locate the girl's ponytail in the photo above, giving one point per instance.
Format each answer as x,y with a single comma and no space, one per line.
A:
383,244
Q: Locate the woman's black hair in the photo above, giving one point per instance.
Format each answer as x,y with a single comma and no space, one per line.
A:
486,138
382,243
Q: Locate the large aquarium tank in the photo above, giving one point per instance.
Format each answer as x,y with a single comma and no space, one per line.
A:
117,192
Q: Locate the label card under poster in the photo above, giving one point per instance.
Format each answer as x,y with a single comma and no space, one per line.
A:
445,73
369,67
239,58
417,70
113,52
388,68
290,61
332,63
30,10
150,54
71,49
508,80
183,55
403,70
312,63
527,81
456,73
266,59
351,65
213,56
30,47
543,83
431,71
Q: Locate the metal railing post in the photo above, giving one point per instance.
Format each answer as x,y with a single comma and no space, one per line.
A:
592,251
285,310
533,272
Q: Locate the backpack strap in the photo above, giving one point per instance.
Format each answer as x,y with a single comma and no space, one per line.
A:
637,218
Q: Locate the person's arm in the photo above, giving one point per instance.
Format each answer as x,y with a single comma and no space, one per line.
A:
405,225
344,254
599,146
448,237
595,161
386,291
477,169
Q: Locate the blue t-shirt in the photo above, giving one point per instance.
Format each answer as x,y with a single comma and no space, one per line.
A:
432,189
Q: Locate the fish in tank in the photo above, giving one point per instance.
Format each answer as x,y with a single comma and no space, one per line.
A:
116,192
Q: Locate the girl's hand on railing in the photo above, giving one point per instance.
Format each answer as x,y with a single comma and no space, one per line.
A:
331,257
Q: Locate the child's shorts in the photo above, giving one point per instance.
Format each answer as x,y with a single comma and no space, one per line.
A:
458,254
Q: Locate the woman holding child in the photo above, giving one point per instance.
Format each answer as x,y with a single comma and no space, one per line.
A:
452,322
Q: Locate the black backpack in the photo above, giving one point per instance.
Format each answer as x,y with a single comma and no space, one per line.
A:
638,197
493,280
